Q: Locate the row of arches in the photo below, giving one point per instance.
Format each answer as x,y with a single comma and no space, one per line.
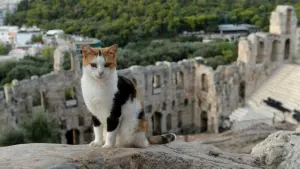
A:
275,50
178,81
157,122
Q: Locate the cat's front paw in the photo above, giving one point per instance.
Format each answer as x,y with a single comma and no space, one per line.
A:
107,146
96,143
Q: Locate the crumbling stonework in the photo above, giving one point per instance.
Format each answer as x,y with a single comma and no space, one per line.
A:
181,95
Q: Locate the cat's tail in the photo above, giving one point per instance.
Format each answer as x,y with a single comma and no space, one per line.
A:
162,139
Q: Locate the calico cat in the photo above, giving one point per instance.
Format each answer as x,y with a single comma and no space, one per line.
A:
117,112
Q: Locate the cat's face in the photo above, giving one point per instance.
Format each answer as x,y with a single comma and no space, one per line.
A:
100,63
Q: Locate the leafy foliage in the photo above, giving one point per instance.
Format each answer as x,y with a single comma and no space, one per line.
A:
148,52
11,136
26,67
37,38
38,129
125,21
3,49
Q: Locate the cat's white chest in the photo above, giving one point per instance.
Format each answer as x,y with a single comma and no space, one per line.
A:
98,98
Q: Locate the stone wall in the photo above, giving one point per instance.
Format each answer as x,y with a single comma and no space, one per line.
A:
167,89
263,53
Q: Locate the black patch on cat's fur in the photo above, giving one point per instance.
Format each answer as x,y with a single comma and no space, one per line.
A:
96,121
125,92
141,115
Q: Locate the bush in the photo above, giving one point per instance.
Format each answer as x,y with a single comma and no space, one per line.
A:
38,129
48,51
37,38
3,49
11,136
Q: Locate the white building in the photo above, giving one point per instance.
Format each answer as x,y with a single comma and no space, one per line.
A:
24,35
51,36
8,33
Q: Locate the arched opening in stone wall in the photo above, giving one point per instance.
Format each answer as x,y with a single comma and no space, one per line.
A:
63,124
179,119
242,90
169,122
72,136
179,80
287,49
199,102
149,108
260,52
156,84
173,104
289,21
186,102
67,59
88,135
212,122
64,58
70,97
37,102
275,49
164,106
156,123
80,121
204,121
204,82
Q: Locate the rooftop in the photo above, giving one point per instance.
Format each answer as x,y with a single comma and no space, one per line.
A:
225,27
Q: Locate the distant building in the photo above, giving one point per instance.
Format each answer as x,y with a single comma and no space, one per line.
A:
24,35
79,41
7,34
238,29
51,36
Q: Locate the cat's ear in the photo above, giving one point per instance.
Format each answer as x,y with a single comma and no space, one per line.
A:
86,50
114,48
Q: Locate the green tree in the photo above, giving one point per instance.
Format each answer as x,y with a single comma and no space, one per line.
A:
3,49
131,20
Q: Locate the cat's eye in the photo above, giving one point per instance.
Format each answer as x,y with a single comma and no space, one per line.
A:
107,64
93,65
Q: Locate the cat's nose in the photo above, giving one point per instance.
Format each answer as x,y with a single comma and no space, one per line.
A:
101,74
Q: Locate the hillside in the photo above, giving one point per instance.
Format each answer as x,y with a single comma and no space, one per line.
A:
130,20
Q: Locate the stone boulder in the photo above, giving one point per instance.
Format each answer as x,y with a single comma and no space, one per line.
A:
176,155
280,150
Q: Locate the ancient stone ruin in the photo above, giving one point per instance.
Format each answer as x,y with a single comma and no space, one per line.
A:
177,96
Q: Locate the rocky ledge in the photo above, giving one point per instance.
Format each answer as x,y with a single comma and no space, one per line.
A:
176,155
280,150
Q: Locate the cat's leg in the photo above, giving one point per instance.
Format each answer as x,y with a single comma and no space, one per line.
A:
111,131
98,132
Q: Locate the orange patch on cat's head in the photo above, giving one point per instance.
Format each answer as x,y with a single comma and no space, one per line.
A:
110,53
88,54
